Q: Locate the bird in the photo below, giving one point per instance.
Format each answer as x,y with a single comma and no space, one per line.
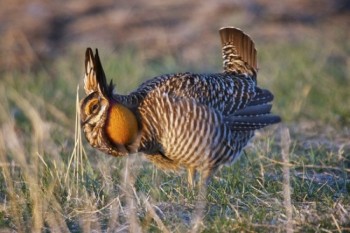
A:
197,122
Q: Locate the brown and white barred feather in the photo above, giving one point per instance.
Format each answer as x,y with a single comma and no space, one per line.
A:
90,81
238,51
226,92
183,132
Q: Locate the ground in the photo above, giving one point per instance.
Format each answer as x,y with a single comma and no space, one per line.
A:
292,177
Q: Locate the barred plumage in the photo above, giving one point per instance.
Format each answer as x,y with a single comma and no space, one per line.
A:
196,121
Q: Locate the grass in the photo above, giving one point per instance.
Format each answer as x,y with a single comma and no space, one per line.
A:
279,185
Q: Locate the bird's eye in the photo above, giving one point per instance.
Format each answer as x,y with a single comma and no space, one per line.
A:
94,107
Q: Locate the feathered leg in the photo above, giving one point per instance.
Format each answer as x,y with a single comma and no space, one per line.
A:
191,174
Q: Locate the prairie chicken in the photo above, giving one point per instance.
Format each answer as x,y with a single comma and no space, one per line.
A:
195,121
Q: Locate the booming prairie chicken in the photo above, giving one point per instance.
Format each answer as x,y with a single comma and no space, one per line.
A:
195,121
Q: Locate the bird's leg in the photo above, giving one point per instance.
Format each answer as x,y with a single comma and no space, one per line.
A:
191,173
201,200
205,177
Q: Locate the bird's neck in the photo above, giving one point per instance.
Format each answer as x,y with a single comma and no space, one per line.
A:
121,125
130,101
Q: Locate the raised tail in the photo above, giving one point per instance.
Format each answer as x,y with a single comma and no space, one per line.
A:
238,51
256,115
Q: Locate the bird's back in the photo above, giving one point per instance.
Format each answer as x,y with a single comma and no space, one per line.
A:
226,92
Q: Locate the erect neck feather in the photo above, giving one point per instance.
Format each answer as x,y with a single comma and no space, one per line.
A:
121,125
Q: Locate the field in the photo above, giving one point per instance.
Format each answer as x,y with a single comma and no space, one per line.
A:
294,177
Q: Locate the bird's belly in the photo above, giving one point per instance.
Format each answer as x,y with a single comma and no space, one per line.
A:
201,152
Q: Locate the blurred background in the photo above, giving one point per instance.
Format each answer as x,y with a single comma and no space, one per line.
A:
303,58
34,31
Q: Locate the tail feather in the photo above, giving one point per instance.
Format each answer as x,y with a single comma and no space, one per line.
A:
243,123
262,96
252,110
236,47
255,115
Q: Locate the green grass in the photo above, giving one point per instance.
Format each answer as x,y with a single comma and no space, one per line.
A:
40,190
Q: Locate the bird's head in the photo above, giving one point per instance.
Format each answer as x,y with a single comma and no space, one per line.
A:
108,125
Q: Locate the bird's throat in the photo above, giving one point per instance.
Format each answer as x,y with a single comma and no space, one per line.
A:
121,125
